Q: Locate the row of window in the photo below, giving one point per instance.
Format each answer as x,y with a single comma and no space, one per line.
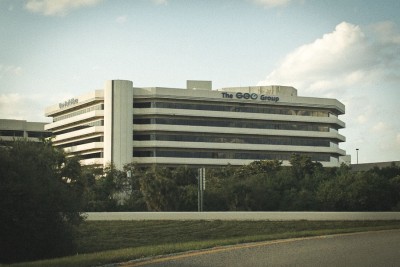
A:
226,155
38,134
233,123
12,133
211,138
81,126
82,142
235,107
15,133
79,112
91,156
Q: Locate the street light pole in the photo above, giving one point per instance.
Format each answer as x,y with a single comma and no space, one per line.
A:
201,187
357,154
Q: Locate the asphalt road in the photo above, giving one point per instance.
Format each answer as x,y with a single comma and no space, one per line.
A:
380,248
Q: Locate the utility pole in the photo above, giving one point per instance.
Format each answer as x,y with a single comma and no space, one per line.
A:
357,154
201,178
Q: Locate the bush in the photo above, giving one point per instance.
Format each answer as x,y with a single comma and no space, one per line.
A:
40,199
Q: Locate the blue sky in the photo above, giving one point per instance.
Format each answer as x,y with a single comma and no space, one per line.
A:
51,50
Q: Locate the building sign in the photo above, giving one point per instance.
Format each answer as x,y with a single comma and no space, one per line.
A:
68,103
250,96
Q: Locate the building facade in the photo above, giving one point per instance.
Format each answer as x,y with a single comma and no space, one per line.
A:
197,126
11,130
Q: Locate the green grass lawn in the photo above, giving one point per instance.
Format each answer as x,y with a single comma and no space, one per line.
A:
102,242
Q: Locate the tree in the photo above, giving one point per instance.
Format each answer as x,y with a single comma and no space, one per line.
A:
253,186
302,165
136,201
186,181
395,192
40,199
108,185
216,195
159,189
369,192
268,167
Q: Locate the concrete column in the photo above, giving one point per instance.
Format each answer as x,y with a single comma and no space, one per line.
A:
118,103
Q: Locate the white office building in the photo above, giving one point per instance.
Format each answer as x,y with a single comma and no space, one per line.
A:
196,126
11,130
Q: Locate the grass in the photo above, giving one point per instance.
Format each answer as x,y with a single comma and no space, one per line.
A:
104,242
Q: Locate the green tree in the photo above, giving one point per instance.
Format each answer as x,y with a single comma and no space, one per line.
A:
159,189
356,191
253,187
369,192
40,199
164,188
111,190
395,192
136,201
186,182
267,167
302,165
217,194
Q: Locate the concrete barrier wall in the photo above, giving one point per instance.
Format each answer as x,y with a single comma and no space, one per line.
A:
243,216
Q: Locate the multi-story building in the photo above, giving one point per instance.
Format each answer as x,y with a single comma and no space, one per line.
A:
197,126
11,130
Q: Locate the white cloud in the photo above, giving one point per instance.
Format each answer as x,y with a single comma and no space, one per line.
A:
23,106
121,19
380,127
341,59
387,32
361,119
57,7
338,59
6,70
360,66
160,2
9,104
271,3
386,138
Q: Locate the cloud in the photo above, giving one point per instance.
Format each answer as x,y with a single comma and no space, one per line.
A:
361,119
22,106
360,66
121,19
271,3
387,137
160,2
57,7
341,59
387,32
8,104
328,62
6,70
380,127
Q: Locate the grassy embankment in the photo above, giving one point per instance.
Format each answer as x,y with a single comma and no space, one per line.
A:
103,242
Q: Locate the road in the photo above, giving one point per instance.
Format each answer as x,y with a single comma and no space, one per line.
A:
381,248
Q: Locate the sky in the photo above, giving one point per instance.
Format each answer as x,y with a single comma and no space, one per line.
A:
52,50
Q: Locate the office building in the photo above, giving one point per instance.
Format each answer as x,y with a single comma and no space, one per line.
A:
11,130
196,126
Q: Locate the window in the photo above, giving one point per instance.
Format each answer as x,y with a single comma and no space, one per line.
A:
260,155
234,107
256,124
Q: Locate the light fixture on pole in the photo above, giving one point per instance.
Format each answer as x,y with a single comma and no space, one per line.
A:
357,154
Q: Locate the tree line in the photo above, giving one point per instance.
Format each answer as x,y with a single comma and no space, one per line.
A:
258,186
